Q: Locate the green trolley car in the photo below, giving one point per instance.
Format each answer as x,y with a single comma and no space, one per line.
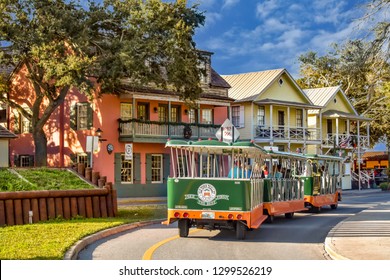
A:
216,185
322,181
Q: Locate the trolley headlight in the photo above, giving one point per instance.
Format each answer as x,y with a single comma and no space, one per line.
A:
186,215
239,217
177,215
230,216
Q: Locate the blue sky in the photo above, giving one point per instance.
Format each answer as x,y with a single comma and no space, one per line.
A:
255,35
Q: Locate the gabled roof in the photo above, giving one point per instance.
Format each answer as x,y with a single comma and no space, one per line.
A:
249,86
322,96
6,134
217,80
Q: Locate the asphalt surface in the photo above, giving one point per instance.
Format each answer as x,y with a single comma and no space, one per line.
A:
363,236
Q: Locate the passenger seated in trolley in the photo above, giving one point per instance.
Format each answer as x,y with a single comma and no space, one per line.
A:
240,171
277,171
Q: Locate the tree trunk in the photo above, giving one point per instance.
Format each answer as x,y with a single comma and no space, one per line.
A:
40,141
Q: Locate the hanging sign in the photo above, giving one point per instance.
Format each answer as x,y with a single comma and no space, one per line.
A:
128,151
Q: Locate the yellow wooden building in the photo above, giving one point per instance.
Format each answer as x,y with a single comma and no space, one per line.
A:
271,109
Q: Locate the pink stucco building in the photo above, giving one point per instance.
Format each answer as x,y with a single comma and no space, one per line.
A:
140,121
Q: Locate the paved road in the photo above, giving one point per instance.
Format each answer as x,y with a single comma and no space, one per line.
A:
300,238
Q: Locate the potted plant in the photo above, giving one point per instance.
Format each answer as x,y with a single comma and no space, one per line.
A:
384,187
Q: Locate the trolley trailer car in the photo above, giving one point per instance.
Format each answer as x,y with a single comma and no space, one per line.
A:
322,181
216,185
283,191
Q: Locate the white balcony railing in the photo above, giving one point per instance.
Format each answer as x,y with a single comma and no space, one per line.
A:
287,133
346,141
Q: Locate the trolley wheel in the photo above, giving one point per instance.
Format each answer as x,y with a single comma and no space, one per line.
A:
333,206
240,231
316,209
289,215
184,227
270,219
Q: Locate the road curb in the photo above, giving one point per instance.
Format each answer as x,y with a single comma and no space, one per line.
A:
74,251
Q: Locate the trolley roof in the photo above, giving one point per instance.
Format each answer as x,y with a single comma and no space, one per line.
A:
323,157
222,147
217,146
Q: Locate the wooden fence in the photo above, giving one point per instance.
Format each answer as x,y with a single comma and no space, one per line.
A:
16,208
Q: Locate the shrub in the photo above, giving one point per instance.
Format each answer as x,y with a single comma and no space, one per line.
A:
384,186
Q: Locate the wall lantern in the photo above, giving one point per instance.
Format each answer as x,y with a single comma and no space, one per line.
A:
185,111
155,109
99,133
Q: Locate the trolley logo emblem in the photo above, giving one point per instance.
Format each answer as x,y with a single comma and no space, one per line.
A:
207,195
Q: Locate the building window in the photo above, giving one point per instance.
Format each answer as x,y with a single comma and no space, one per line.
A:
157,168
21,124
126,170
261,115
82,116
143,111
175,114
207,116
24,161
126,111
162,113
299,113
236,116
82,158
192,116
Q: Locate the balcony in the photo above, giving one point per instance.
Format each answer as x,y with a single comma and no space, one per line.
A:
283,133
346,141
135,130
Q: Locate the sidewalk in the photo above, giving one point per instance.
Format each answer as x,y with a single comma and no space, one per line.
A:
364,236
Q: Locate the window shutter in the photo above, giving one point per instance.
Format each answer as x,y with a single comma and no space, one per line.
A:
137,168
117,168
242,116
31,160
90,116
166,167
89,159
148,168
17,160
73,117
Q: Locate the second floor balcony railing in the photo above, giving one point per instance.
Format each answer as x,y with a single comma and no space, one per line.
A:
287,133
346,140
135,128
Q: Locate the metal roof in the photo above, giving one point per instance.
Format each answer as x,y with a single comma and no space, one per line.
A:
321,96
249,86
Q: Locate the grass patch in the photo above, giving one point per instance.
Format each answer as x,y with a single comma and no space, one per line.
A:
40,179
50,240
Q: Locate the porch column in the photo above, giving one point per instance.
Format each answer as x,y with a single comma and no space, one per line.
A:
337,132
320,131
253,122
288,129
304,123
134,116
368,133
270,124
169,118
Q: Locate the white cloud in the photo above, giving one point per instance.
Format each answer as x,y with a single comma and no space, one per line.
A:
265,8
229,3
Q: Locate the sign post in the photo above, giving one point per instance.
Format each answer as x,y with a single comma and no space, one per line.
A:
92,146
227,133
